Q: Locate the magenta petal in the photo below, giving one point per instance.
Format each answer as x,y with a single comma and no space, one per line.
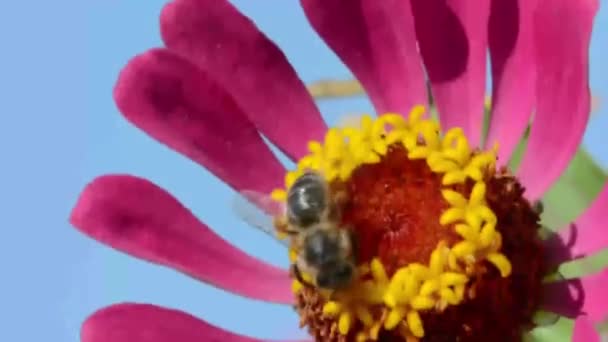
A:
562,31
176,103
513,72
149,323
376,40
584,237
216,37
575,297
584,331
131,322
452,35
137,217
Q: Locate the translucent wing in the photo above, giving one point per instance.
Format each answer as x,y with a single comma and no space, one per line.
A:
259,210
263,202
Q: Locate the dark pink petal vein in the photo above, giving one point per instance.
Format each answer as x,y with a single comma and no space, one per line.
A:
452,35
135,216
229,47
180,105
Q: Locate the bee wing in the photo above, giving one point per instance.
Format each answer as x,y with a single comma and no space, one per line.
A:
263,202
258,210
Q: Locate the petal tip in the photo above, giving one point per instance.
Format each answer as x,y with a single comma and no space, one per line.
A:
93,328
83,202
90,205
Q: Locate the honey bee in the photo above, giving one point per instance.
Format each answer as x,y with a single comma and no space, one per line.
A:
325,249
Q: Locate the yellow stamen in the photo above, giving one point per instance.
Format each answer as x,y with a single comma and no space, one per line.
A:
279,195
344,323
332,308
415,324
296,286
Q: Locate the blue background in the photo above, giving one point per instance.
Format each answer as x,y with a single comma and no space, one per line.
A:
60,129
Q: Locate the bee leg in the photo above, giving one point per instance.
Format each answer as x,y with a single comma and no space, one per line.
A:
334,214
291,232
339,199
284,228
295,271
348,233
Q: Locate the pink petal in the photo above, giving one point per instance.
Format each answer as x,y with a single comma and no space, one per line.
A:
376,40
452,35
228,46
584,331
137,217
513,72
131,322
562,34
572,298
584,237
176,103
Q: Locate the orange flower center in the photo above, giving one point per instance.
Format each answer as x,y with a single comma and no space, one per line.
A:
384,209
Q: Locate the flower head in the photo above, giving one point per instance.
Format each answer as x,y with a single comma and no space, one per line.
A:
447,242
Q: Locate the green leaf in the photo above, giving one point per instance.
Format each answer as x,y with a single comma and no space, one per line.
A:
559,332
574,191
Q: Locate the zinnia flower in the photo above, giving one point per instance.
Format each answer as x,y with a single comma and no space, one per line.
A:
447,239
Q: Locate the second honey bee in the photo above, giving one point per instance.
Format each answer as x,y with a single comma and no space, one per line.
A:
325,249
